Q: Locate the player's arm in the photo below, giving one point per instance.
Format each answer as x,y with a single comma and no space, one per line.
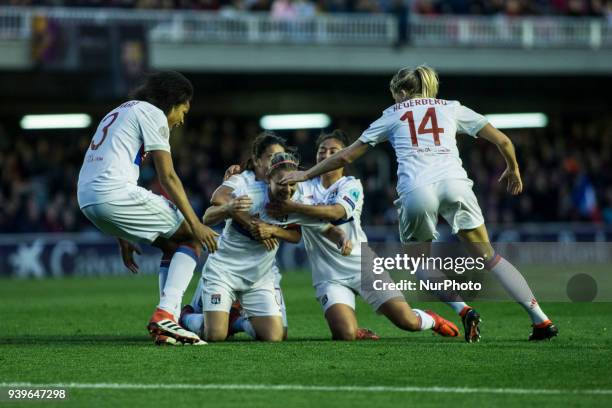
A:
340,159
512,173
262,230
217,213
171,183
338,237
280,209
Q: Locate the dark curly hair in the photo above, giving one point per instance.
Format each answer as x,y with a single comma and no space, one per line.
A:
164,89
337,134
261,143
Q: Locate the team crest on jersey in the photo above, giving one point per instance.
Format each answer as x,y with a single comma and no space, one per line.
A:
215,299
164,132
324,300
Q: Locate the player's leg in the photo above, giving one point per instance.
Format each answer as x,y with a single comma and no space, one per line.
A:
338,303
263,311
477,243
143,217
192,314
418,218
280,299
217,300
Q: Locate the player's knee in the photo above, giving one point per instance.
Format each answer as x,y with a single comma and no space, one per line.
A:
343,331
344,335
213,334
273,335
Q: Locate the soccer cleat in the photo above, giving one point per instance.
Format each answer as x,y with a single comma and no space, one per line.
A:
366,334
442,326
161,340
234,314
471,324
162,323
544,331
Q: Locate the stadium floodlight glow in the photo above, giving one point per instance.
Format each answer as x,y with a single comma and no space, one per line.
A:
517,120
295,121
56,121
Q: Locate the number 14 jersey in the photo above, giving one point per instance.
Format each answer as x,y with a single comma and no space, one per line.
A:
423,134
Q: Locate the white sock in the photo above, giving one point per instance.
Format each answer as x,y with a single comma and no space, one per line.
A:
427,322
248,328
457,306
181,269
194,322
163,275
516,285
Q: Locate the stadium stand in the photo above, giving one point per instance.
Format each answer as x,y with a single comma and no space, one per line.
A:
564,182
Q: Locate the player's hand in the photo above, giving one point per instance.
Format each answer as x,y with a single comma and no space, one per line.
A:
279,209
345,247
513,177
242,203
260,230
231,170
127,254
270,244
206,236
294,177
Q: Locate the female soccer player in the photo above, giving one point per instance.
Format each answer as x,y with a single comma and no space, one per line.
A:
265,145
338,199
432,181
243,269
109,195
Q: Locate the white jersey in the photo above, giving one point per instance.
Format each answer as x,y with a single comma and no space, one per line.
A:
326,260
112,162
241,257
240,180
423,134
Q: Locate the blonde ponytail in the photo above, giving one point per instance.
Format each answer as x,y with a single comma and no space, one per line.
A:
422,82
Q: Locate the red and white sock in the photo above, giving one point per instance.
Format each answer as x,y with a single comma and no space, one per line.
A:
516,285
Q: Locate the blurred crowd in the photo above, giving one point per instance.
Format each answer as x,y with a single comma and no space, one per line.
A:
307,8
566,168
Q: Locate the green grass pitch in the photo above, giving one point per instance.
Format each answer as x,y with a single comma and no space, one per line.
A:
92,331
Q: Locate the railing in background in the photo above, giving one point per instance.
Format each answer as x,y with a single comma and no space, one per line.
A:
348,29
209,27
501,31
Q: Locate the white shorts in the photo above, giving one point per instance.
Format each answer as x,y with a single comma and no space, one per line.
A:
197,303
329,293
278,292
257,299
453,199
141,217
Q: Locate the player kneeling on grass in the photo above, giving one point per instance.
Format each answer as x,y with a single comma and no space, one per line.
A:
432,181
339,199
242,269
111,199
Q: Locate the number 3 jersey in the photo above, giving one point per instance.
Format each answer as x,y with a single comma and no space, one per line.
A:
112,162
423,134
